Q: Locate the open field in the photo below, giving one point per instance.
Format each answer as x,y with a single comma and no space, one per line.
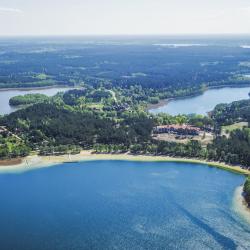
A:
225,130
204,138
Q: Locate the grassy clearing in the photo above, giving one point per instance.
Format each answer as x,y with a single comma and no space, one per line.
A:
230,128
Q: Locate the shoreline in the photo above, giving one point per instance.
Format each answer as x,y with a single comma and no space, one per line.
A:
10,162
164,102
38,88
240,206
36,162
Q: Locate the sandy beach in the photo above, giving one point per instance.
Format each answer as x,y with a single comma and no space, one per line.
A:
240,205
35,162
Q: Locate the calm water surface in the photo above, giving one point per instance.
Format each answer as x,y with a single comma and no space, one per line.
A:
121,205
203,103
5,96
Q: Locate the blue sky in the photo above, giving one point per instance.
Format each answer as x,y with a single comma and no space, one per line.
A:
84,17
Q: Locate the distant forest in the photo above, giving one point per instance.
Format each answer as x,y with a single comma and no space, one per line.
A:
169,71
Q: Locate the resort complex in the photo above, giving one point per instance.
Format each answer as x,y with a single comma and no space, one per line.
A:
177,129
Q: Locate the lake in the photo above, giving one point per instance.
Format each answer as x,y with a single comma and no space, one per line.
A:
203,103
121,205
5,96
199,104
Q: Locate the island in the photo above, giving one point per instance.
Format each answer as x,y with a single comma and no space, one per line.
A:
27,99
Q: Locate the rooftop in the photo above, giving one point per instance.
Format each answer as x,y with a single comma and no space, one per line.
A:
176,126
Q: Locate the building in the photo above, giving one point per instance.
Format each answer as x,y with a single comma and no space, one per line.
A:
177,129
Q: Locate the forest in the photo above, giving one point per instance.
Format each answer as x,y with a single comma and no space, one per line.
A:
226,114
246,190
160,71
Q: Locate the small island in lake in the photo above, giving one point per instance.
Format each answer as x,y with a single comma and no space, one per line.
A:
27,99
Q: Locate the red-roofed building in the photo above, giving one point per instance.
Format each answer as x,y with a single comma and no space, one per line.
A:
177,129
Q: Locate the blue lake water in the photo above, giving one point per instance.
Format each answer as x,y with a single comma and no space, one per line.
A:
199,104
203,103
121,205
5,96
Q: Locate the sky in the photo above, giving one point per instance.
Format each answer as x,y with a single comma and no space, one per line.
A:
123,17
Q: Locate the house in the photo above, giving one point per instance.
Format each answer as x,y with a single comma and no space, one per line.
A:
177,129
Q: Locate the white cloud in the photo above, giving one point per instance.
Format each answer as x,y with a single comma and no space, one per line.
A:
10,10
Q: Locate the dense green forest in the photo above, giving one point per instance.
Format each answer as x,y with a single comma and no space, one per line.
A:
143,63
247,190
233,150
52,124
226,114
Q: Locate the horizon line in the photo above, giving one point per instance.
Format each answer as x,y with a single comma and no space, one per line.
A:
124,35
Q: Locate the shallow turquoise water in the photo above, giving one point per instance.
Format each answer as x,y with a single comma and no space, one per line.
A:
121,205
203,103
